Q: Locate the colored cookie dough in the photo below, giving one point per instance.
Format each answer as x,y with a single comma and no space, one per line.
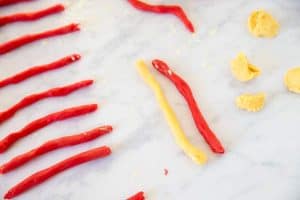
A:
242,69
251,102
292,80
193,152
262,24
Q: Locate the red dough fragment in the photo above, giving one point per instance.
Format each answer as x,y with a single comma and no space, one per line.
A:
10,2
36,70
183,87
164,9
31,99
40,123
31,16
138,196
26,39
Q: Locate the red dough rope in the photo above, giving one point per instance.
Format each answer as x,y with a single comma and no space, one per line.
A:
138,196
41,176
9,2
26,39
36,70
31,16
31,99
186,92
164,9
12,138
53,145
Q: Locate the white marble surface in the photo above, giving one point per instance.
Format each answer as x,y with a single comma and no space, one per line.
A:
262,159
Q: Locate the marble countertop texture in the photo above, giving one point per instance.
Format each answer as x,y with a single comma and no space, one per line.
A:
262,157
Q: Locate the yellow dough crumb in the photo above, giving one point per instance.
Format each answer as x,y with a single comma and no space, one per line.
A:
292,80
242,69
262,24
251,102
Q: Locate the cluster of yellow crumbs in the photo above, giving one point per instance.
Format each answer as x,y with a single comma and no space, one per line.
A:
260,24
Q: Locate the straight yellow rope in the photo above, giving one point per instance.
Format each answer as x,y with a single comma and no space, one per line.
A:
193,152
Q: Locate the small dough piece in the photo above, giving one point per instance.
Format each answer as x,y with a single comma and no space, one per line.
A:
242,69
251,102
292,80
262,24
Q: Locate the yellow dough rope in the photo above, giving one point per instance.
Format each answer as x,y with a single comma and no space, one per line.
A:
193,152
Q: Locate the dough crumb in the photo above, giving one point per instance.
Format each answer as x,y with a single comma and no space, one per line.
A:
263,24
166,172
292,80
242,69
251,102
